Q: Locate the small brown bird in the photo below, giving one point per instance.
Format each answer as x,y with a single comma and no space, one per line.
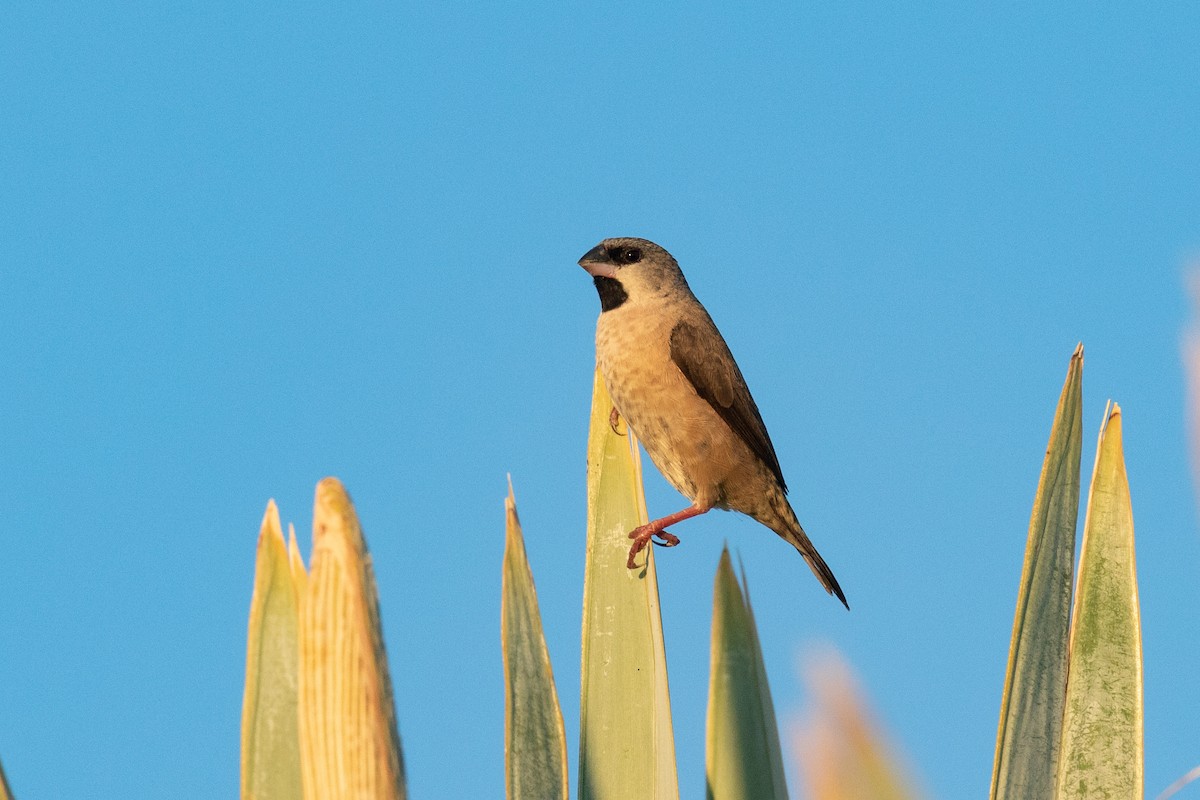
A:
673,379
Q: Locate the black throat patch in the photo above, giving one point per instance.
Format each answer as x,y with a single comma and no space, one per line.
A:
612,293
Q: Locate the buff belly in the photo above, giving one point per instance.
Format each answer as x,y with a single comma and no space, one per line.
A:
684,436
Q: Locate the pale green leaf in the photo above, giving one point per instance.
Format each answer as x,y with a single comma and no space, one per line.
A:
1102,747
626,748
1031,710
743,757
270,726
534,738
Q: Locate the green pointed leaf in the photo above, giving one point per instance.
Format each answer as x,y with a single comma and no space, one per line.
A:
270,725
743,757
626,747
535,741
1031,709
1102,748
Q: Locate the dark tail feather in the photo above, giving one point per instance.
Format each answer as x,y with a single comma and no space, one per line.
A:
820,568
790,530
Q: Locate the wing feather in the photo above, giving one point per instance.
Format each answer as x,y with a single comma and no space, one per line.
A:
702,355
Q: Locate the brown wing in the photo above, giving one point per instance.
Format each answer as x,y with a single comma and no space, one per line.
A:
701,354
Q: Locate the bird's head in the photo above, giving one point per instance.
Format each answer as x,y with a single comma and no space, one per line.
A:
628,269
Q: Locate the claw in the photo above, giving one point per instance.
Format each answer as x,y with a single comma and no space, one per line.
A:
633,551
668,539
613,420
644,535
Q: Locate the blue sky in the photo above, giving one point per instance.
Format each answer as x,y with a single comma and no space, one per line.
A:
243,249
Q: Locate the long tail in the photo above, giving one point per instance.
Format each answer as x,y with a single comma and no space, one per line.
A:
787,526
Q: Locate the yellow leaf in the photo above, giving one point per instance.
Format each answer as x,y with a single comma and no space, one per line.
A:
349,740
842,754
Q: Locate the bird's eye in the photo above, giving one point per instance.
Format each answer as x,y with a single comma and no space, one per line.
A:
629,255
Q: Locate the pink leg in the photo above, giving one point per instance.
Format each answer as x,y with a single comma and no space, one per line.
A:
613,419
642,534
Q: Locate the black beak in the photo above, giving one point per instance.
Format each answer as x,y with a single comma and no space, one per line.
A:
597,255
598,262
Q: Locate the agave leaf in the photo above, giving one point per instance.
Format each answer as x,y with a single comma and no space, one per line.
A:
743,757
626,748
1102,748
5,789
842,753
1031,710
270,726
296,562
535,743
349,742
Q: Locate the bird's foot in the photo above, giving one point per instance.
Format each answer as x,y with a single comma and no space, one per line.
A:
614,419
643,535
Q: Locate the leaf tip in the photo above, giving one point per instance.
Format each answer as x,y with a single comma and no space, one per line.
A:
271,528
510,507
1112,416
331,491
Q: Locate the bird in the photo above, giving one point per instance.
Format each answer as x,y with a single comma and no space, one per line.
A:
674,381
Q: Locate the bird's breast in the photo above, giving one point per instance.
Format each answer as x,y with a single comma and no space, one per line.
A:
684,436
